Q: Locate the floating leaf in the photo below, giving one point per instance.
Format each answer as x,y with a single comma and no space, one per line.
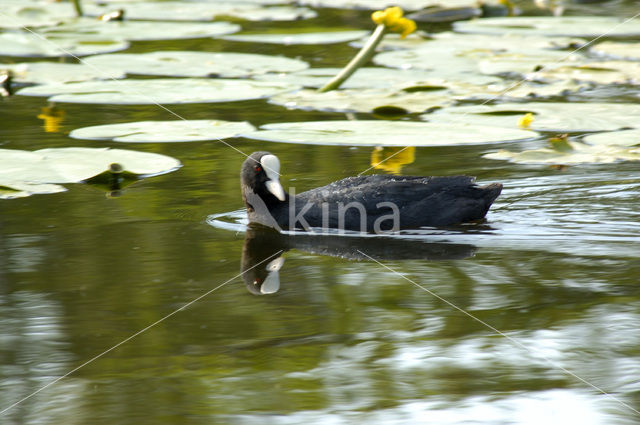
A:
551,116
163,131
17,14
196,64
618,50
52,72
365,78
466,55
27,44
139,30
152,91
384,133
320,37
26,172
381,4
629,138
364,100
610,72
552,26
203,11
579,153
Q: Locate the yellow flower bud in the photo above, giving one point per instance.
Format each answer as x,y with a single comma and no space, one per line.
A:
392,18
526,120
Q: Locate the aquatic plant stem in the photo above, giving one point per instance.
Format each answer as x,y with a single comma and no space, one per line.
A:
78,7
358,61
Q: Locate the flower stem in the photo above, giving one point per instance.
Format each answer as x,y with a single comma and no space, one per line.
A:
78,7
359,60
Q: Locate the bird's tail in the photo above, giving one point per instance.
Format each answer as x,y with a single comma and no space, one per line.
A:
491,192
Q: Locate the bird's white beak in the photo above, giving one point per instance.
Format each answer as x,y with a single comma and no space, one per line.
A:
271,166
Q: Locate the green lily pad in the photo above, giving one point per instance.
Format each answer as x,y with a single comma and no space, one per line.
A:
548,116
24,172
373,100
163,131
580,153
139,30
156,91
384,133
462,57
406,5
26,44
618,50
322,37
17,14
610,72
368,78
629,138
196,64
552,26
202,11
52,72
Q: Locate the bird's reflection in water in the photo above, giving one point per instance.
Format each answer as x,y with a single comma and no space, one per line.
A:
263,248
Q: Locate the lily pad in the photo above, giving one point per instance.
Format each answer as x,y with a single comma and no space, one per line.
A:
17,14
552,26
367,78
381,4
321,37
618,50
548,116
27,44
461,57
374,100
24,172
52,72
579,153
610,72
384,133
139,30
163,131
629,138
196,64
156,91
203,11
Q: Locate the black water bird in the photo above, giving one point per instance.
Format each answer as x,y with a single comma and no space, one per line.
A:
371,203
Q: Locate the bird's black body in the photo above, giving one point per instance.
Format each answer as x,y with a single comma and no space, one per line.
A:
367,203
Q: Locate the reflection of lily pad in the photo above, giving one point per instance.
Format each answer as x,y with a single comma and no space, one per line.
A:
163,131
551,116
381,4
565,26
322,37
384,133
579,153
140,30
23,172
26,44
618,50
374,100
629,138
196,64
52,72
151,91
203,11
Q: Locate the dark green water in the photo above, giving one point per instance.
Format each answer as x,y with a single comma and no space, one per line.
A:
551,280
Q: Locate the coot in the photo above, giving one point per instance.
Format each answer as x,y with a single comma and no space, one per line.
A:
371,203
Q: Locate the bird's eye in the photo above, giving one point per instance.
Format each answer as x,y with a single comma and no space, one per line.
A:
257,168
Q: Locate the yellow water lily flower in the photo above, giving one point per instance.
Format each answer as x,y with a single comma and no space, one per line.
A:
52,117
526,120
392,159
393,20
